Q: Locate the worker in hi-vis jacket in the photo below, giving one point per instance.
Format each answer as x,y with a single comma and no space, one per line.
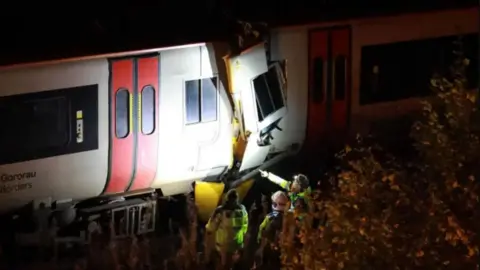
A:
298,188
229,224
268,254
272,223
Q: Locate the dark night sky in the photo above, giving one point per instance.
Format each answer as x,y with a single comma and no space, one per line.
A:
77,28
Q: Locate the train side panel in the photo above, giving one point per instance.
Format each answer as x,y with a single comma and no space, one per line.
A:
195,133
393,30
55,132
285,46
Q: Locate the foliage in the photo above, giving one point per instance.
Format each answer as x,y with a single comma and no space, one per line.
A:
422,214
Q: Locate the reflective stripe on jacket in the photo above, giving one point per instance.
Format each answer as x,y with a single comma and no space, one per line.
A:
230,224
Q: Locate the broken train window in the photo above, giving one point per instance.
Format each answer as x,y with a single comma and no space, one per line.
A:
270,95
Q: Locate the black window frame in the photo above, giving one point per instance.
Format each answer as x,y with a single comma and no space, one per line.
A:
200,102
318,80
404,68
340,77
125,122
261,115
82,99
151,112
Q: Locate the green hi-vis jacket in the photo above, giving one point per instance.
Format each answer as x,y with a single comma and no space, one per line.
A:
230,224
270,226
287,186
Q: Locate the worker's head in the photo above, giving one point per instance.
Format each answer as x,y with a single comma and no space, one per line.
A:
231,197
279,201
300,183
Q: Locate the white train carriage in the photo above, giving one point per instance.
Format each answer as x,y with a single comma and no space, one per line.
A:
105,126
124,124
355,73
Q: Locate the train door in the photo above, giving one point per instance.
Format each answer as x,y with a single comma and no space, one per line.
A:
133,116
329,87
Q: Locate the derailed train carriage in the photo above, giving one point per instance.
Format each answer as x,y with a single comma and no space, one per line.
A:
126,129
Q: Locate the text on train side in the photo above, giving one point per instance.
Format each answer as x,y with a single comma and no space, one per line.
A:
9,182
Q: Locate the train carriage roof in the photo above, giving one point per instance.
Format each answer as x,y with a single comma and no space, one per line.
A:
44,37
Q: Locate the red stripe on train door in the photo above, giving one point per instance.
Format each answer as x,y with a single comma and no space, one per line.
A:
329,88
341,60
147,137
317,84
121,133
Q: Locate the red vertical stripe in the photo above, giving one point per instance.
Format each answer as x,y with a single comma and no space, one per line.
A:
121,149
147,145
317,111
341,47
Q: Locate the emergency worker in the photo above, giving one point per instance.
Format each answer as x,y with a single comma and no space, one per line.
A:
298,188
272,223
268,254
229,224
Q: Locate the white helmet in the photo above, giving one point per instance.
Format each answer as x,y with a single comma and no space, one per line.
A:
279,201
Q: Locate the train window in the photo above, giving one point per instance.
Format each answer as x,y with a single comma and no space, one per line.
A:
268,92
43,124
35,124
192,101
388,74
317,87
201,100
122,113
148,110
340,77
209,99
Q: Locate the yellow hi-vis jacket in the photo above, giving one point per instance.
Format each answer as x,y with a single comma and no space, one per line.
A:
230,224
271,226
287,186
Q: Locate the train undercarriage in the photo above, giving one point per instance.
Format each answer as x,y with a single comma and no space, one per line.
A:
119,217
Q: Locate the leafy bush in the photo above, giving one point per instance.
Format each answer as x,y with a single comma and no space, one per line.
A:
392,214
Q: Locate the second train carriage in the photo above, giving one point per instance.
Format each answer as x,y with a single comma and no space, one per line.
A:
162,119
355,73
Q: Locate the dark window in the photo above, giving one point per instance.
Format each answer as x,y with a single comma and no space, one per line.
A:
340,77
403,70
470,48
45,124
201,100
35,124
317,87
148,110
122,113
268,93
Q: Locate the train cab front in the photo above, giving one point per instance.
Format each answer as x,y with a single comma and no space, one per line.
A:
258,90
